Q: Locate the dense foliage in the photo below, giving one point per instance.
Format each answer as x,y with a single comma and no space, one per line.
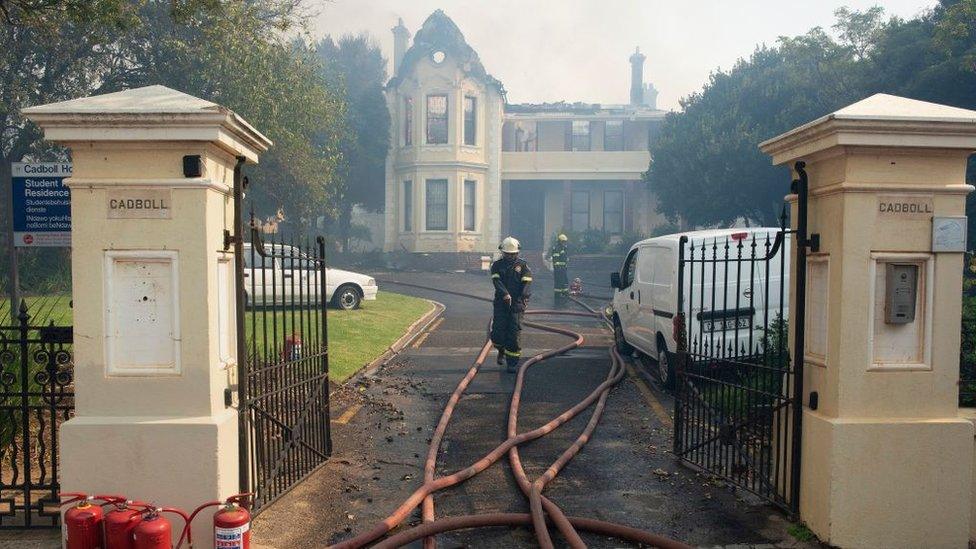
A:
238,54
707,168
355,66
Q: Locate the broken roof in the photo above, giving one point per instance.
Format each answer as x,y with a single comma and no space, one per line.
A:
579,108
440,33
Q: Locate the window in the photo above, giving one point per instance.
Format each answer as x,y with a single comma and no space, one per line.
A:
408,121
629,270
407,206
470,194
580,210
470,120
436,119
613,212
436,204
645,265
581,135
613,135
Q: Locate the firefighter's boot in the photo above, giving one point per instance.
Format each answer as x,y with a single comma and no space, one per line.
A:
513,362
501,357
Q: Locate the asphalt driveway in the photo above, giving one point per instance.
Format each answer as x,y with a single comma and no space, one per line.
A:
383,422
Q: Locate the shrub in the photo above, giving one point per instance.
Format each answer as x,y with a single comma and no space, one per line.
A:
597,241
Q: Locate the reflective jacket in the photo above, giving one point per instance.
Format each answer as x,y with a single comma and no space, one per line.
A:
559,255
512,278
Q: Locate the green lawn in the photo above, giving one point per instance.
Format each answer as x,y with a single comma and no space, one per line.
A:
42,310
356,338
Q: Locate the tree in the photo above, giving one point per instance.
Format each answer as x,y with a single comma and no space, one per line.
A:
356,66
48,53
231,52
234,53
859,30
32,12
706,167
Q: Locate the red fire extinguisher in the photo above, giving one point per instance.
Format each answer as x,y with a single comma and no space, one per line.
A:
231,523
293,347
154,531
120,521
83,522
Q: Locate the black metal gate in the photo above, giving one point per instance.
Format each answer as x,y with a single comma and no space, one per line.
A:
738,393
36,397
283,379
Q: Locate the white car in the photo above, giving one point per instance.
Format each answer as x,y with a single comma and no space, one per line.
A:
278,278
645,295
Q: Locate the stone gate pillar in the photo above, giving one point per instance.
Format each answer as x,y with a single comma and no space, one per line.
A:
153,290
886,461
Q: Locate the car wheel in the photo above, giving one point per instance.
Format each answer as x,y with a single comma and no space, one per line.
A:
665,371
347,298
623,347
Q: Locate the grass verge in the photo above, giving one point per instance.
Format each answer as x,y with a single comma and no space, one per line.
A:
358,337
800,532
41,308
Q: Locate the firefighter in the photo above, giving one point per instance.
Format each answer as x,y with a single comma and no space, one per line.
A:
560,259
512,280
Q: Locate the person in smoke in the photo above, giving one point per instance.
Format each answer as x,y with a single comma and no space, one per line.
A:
512,280
560,260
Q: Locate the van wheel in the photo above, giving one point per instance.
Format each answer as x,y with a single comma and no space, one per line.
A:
623,347
665,371
346,298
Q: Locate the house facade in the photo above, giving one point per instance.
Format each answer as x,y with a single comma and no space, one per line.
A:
466,168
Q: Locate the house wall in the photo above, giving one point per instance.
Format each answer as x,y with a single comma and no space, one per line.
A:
454,161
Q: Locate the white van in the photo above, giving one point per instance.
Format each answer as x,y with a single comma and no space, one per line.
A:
724,316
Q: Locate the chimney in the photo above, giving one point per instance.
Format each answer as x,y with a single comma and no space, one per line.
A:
401,37
637,77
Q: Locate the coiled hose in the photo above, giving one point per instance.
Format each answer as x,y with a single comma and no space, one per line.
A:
541,507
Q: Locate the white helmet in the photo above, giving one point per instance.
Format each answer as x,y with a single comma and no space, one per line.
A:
509,245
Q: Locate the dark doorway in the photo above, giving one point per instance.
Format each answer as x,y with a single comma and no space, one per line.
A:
527,213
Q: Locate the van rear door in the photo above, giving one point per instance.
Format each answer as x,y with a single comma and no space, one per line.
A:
730,288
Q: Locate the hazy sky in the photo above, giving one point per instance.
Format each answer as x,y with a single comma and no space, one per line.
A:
550,50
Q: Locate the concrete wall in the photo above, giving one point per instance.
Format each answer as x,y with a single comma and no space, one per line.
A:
886,460
154,338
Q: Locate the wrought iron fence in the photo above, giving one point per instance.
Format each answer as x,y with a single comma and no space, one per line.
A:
36,397
738,397
284,380
734,396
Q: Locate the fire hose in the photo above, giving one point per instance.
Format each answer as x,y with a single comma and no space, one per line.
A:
540,506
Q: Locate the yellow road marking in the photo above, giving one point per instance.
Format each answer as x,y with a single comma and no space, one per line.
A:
423,337
649,397
348,414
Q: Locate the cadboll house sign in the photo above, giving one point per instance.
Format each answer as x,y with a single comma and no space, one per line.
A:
910,206
139,204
